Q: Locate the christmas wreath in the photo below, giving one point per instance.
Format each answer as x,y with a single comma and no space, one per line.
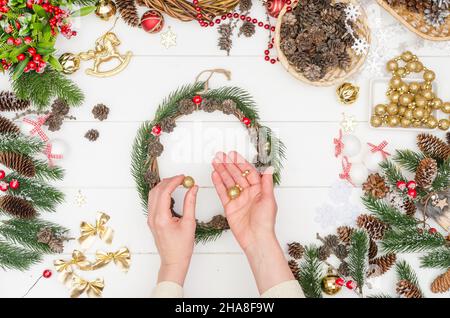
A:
197,97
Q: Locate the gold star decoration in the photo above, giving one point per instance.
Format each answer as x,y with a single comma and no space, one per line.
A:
168,38
442,203
348,123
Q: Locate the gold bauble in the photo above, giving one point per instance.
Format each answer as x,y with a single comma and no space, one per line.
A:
414,66
425,86
407,56
420,100
393,121
234,192
403,88
376,121
348,93
329,285
414,87
405,99
70,63
401,71
432,122
105,9
417,124
402,110
380,109
394,96
444,124
408,114
429,75
396,82
428,94
436,103
392,65
446,107
188,182
392,109
405,123
419,113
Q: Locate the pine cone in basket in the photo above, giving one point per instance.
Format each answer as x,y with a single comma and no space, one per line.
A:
442,283
374,226
375,186
433,146
295,250
100,112
406,289
92,135
426,173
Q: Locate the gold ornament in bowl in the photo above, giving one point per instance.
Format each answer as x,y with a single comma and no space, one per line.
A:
347,93
329,285
70,63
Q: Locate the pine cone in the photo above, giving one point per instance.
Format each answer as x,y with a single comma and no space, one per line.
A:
341,251
128,11
323,253
433,146
92,135
56,245
289,19
409,207
294,268
17,207
155,149
448,138
225,30
228,106
345,234
100,112
23,164
406,289
245,5
187,106
218,222
442,283
210,106
426,173
384,262
8,127
60,107
373,225
168,124
313,72
151,178
331,241
289,46
373,249
54,122
343,269
44,235
9,102
295,250
225,44
247,29
375,186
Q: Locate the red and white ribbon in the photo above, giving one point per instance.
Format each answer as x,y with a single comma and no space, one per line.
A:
380,148
338,144
48,153
37,124
346,168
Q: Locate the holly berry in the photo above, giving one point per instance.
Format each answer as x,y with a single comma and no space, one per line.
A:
27,40
3,186
432,230
18,41
10,41
247,122
401,185
411,184
37,58
18,26
350,284
8,29
14,184
21,57
340,281
412,193
156,130
2,174
47,273
197,99
31,50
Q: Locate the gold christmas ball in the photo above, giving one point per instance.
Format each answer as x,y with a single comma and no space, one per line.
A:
420,100
403,88
393,121
419,113
380,109
444,124
329,285
436,103
376,121
234,192
413,66
188,182
428,94
394,97
425,86
417,124
395,82
402,110
407,56
105,9
405,99
446,107
392,65
405,123
401,71
432,122
70,63
429,76
348,93
392,109
408,114
414,87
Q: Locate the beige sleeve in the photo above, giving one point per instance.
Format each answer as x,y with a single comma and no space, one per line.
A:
287,289
167,290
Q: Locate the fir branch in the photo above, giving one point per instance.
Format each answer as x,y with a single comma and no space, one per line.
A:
45,172
24,232
411,240
40,89
408,159
21,144
310,275
442,181
392,172
380,296
277,154
439,258
204,234
405,272
358,257
14,257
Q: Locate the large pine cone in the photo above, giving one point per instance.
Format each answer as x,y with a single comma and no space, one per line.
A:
8,127
128,11
426,173
406,289
384,263
296,250
17,207
345,234
442,283
374,226
10,102
373,249
375,186
23,164
433,146
60,107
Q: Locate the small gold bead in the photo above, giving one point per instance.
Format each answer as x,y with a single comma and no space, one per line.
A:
401,71
429,76
380,109
436,103
405,99
417,124
404,88
396,82
393,97
420,100
376,121
419,113
405,123
408,114
428,94
402,110
446,107
414,87
392,109
407,56
444,124
432,122
392,65
393,121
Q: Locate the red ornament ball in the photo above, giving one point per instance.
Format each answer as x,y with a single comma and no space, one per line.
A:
156,130
3,186
152,21
47,273
350,284
197,99
247,122
14,184
401,185
2,174
411,185
412,193
274,7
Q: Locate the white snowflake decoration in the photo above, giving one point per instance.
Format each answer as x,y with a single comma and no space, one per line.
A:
80,199
348,123
169,38
352,12
360,46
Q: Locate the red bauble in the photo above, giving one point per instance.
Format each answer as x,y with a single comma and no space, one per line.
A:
197,99
411,185
350,284
2,174
14,184
47,273
401,185
432,230
152,21
412,193
3,186
274,7
247,122
340,281
156,130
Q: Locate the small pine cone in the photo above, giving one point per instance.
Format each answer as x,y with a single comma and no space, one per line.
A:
54,122
247,29
294,268
8,127
343,269
10,102
448,138
210,106
228,106
100,112
245,5
225,30
384,262
323,253
331,241
168,124
289,19
187,106
373,225
23,164
289,46
92,135
60,107
155,149
433,146
341,251
218,222
295,250
426,172
225,44
373,249
409,207
45,235
345,234
151,178
442,283
17,207
56,245
406,289
128,11
375,186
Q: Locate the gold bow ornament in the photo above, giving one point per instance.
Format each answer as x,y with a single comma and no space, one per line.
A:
121,258
89,231
92,288
64,267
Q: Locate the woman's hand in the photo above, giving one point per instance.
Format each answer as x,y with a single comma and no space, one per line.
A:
251,216
174,237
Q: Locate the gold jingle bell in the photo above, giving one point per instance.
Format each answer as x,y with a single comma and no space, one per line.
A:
70,63
347,93
105,9
188,182
329,285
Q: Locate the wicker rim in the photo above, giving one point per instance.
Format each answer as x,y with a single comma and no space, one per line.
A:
336,75
417,19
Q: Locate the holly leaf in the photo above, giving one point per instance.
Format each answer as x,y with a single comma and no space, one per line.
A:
18,70
13,54
83,11
55,63
40,11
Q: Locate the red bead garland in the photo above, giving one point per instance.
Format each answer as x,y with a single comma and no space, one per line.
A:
47,273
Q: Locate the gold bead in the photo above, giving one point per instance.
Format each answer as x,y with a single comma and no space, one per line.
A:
234,192
420,100
412,66
409,114
428,94
401,71
380,109
395,82
347,93
405,99
444,124
70,63
436,103
407,56
417,124
405,123
402,110
404,88
446,107
419,66
414,87
393,121
392,109
376,121
418,113
432,122
188,182
425,86
394,96
392,65
429,76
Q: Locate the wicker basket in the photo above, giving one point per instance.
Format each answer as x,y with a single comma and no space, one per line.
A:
333,76
416,23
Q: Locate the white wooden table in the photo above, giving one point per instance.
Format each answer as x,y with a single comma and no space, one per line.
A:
306,118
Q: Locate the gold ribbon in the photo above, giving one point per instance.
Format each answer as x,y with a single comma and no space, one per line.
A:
92,288
121,258
89,232
64,267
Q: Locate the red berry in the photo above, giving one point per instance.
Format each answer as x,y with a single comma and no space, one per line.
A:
254,21
432,230
10,41
195,2
350,284
246,121
229,15
18,41
3,186
248,19
412,193
340,281
223,17
17,25
199,16
27,40
411,184
31,65
197,99
21,57
2,174
156,130
260,24
37,58
31,50
14,184
47,273
401,185
211,23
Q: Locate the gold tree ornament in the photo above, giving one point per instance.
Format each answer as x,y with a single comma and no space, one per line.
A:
70,63
348,93
105,9
329,285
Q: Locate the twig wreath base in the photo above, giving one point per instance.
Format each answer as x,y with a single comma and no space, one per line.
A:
184,101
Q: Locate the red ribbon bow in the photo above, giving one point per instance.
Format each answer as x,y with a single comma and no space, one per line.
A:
380,148
346,167
338,144
37,124
48,153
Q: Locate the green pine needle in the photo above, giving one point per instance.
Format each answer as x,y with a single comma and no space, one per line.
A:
439,258
21,144
410,241
311,273
204,234
14,257
442,181
358,257
408,159
406,272
45,172
392,172
380,296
